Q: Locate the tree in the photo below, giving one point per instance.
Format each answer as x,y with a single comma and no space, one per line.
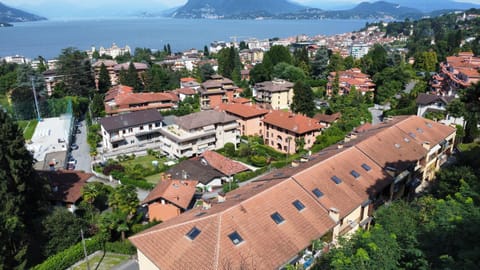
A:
75,69
303,99
124,202
24,197
229,64
288,72
205,71
104,83
275,55
131,78
62,230
229,149
335,63
320,63
426,61
206,53
259,73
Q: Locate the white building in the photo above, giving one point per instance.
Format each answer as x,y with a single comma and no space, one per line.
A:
359,50
192,134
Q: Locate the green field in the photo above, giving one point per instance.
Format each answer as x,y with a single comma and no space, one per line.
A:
28,127
103,263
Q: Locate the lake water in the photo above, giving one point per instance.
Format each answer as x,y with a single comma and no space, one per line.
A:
48,38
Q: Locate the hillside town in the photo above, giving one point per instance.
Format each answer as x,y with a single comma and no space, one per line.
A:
283,153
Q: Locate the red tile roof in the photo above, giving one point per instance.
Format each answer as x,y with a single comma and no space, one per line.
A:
295,123
178,192
188,79
246,211
243,111
66,185
224,165
185,91
327,118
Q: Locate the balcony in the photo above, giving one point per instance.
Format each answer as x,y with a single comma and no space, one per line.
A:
117,138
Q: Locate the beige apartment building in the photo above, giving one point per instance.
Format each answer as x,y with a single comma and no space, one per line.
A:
277,93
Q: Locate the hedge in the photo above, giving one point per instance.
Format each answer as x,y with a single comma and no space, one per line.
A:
70,256
244,176
74,254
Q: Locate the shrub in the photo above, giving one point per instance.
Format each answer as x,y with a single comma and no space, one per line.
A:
122,247
113,167
229,149
70,256
258,161
229,186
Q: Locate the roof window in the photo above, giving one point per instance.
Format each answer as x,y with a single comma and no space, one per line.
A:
336,179
299,205
355,174
366,167
193,233
277,218
235,237
317,192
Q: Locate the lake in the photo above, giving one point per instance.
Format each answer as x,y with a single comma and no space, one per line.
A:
48,38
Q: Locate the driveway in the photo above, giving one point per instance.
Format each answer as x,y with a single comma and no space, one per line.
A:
82,154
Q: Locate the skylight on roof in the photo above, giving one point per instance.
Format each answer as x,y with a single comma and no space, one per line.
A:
299,205
277,218
407,140
419,130
336,179
235,237
193,233
429,125
397,146
317,192
366,167
355,174
412,134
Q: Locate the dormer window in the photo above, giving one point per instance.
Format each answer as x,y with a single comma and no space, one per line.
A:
235,237
193,233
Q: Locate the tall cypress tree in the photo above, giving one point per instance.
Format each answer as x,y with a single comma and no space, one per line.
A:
23,195
303,99
104,82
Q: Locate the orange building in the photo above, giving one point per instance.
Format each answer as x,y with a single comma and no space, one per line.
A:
249,117
348,78
216,91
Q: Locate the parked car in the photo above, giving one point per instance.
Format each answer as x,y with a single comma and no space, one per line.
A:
70,166
74,146
78,131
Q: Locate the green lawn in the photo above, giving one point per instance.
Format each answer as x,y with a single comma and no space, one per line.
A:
154,179
28,127
106,263
145,161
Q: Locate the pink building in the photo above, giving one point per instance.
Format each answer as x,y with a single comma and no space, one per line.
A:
249,117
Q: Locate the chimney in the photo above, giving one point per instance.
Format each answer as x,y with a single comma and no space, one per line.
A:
353,135
347,138
221,197
334,214
169,177
206,204
340,146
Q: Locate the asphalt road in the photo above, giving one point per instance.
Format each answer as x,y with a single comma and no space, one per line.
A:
82,154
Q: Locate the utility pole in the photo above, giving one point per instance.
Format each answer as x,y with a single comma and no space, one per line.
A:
35,98
84,249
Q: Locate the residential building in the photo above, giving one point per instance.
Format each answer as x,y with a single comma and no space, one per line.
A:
249,117
66,187
189,82
210,170
16,59
348,79
457,72
131,132
170,198
110,66
51,80
118,68
122,99
359,50
284,131
216,91
192,134
435,105
278,93
185,92
327,119
272,222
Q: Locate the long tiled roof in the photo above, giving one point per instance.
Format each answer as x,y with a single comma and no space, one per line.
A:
274,86
295,123
224,165
241,110
195,169
130,119
203,118
345,177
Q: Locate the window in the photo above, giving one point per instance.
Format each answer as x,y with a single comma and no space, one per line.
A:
277,218
130,130
412,134
419,130
317,192
355,174
141,127
193,233
235,237
366,167
299,205
336,180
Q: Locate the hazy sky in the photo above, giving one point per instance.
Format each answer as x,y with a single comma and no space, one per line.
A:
95,8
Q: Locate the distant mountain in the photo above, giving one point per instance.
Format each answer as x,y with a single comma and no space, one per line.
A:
364,10
434,5
233,8
8,14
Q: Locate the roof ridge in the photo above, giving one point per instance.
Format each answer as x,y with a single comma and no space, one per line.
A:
217,246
